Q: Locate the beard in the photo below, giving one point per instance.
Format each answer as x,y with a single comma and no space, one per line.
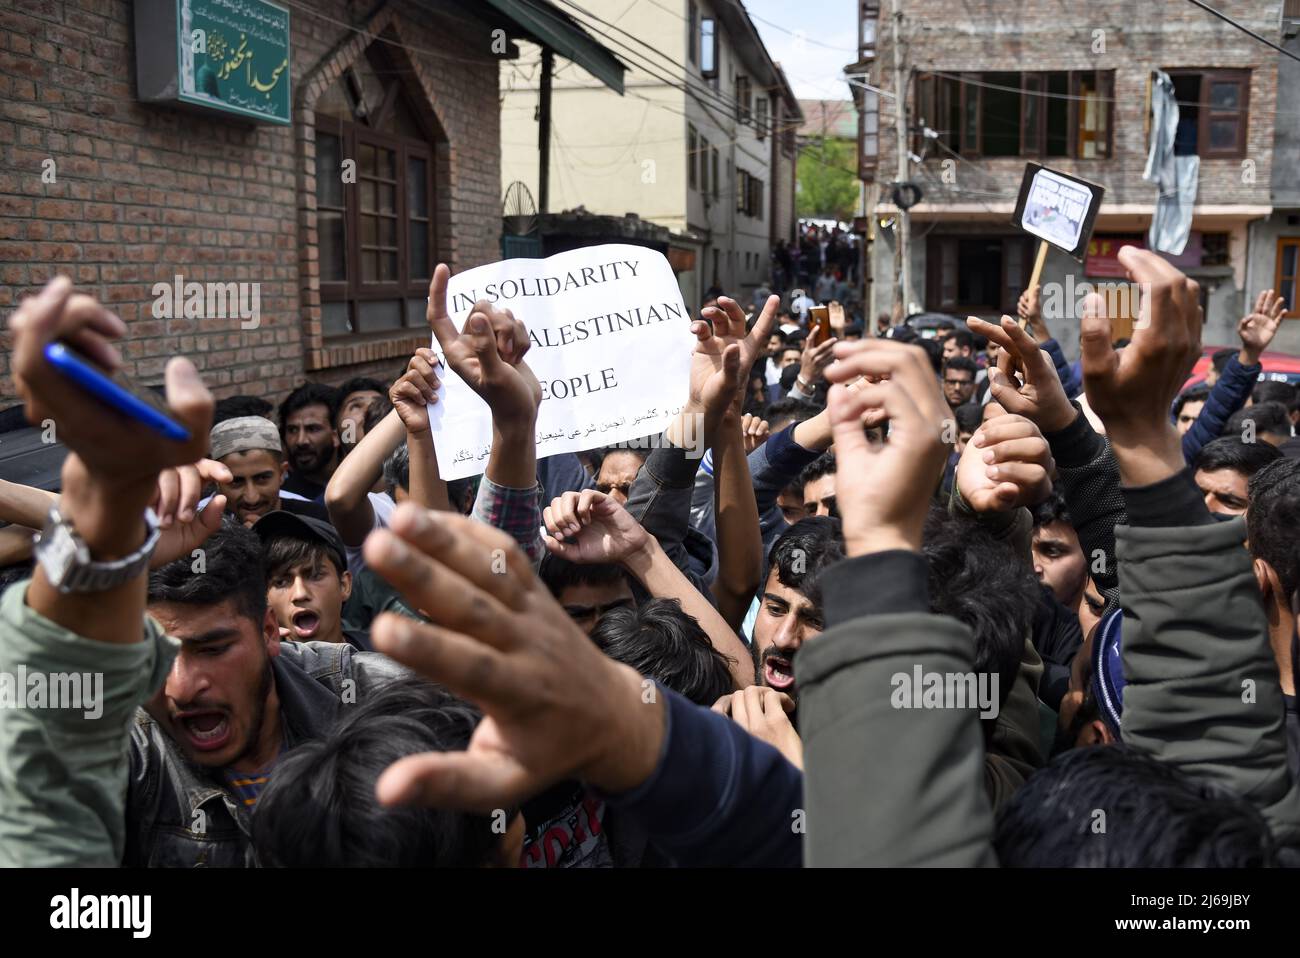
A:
308,459
259,713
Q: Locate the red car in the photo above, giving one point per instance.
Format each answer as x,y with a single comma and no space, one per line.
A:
1278,367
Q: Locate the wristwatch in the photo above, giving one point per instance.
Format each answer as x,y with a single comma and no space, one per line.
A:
65,557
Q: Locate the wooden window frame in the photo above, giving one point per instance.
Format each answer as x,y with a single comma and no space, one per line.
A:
744,96
1283,243
1210,76
1105,83
968,93
869,156
710,72
1241,115
924,98
936,96
353,289
1033,133
1227,247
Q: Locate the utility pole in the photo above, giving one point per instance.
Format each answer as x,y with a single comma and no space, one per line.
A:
904,241
544,133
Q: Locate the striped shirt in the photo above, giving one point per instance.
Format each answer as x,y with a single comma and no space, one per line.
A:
246,786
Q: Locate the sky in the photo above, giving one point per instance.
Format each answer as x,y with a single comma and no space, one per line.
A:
789,31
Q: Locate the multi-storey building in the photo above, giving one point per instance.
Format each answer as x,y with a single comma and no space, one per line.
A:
1275,240
702,141
1069,86
324,155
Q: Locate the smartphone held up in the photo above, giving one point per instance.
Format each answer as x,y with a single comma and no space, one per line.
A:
116,391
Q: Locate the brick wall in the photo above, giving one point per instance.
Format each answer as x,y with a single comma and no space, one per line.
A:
1139,35
144,192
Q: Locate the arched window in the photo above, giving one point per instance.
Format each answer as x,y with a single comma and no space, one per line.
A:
376,218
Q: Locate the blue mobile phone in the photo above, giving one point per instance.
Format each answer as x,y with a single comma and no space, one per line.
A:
117,391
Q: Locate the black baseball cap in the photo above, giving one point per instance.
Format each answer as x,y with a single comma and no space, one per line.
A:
281,524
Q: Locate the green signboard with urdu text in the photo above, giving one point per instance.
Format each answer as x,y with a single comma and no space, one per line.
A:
234,56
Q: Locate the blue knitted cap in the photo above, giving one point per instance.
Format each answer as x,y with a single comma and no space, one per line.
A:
1108,669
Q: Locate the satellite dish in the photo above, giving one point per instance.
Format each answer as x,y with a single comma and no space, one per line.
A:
518,211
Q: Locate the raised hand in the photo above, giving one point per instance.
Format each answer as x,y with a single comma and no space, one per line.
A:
1258,327
883,491
1006,464
554,706
111,472
836,313
1025,381
114,448
1029,308
589,526
1132,390
814,360
181,487
415,390
725,352
184,525
755,431
488,354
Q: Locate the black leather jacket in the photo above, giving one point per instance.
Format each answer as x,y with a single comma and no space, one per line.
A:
179,814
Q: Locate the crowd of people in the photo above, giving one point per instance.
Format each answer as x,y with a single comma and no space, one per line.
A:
949,601
818,251
821,267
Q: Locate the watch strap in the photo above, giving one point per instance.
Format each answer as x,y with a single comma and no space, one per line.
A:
68,566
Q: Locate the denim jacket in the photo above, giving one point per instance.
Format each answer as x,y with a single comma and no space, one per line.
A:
67,773
660,499
179,814
772,466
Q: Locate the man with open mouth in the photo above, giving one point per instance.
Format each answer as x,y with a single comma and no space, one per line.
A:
790,604
307,579
237,697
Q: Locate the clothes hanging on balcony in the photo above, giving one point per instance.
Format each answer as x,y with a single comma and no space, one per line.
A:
1175,176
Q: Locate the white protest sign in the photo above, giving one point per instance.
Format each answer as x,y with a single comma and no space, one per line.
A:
1057,208
611,347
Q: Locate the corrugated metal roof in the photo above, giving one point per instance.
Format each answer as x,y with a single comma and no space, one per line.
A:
546,24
